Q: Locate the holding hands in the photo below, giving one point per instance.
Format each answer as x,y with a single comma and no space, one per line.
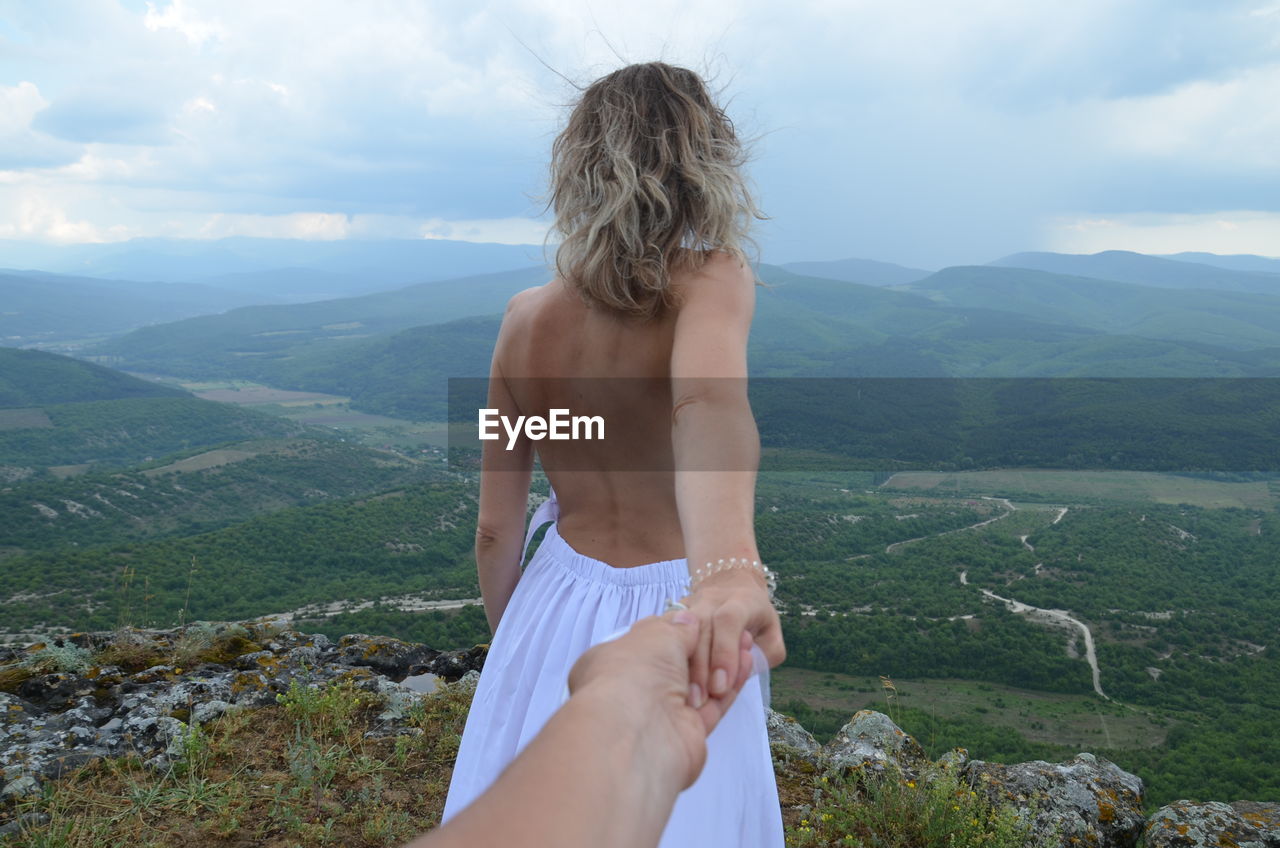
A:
679,673
730,606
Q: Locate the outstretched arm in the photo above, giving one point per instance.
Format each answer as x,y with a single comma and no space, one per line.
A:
717,452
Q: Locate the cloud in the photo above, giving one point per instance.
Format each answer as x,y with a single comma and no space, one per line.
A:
922,131
1224,232
1231,123
113,114
494,231
33,217
178,16
20,146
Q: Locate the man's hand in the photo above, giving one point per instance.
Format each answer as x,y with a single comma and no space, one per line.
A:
645,674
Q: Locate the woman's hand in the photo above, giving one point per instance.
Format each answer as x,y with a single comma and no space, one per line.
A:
728,604
644,675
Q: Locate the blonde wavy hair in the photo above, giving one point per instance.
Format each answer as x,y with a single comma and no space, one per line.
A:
646,178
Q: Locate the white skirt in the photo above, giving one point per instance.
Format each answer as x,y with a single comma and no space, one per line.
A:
563,604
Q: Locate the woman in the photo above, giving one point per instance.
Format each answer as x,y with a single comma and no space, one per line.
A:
646,326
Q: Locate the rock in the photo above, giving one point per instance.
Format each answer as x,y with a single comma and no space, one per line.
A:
787,732
954,759
468,681
20,788
1087,800
1187,824
23,821
387,656
871,738
55,692
453,665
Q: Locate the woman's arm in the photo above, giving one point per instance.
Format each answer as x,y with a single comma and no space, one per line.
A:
504,496
717,452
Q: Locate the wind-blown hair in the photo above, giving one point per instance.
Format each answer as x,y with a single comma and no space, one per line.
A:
645,177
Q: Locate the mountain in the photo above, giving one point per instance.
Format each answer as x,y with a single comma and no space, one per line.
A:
1235,262
38,308
395,262
195,494
964,322
1129,267
402,374
865,271
34,378
246,342
1229,319
301,285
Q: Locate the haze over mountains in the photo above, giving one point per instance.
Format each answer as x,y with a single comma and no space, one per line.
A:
282,269
1129,267
1115,313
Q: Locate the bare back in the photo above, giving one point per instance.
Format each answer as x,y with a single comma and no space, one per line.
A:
619,368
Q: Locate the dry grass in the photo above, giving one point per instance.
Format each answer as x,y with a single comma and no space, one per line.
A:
300,775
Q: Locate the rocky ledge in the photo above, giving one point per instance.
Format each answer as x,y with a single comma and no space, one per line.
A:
132,692
1087,801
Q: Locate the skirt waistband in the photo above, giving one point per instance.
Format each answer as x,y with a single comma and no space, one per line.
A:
671,572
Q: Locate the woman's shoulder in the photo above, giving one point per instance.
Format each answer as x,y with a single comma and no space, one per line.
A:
720,276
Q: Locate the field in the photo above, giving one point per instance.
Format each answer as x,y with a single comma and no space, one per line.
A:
253,395
1091,486
62,472
22,419
318,410
1082,722
201,461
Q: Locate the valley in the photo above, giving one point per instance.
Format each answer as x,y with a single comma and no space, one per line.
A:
289,460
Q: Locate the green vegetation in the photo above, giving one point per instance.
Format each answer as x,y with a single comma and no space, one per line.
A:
891,810
33,378
993,721
124,432
1099,488
417,539
1181,602
444,630
208,490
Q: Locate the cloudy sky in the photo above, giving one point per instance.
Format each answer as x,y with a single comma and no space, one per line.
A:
925,132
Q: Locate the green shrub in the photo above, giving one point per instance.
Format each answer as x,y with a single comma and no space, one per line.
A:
891,810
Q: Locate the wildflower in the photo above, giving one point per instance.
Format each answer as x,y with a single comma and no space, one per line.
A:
826,817
911,783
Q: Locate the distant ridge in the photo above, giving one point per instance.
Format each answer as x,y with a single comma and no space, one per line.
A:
246,341
1128,267
1225,318
38,308
1235,261
866,271
393,261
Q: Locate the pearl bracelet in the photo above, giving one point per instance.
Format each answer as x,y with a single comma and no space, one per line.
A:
703,572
